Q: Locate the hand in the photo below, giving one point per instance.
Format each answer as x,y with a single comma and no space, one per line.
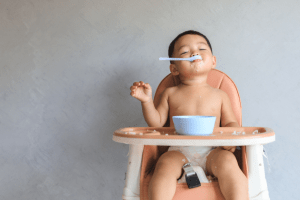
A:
141,91
229,148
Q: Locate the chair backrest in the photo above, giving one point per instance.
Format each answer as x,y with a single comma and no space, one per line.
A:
216,79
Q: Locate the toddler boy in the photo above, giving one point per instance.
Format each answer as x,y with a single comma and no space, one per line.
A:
192,97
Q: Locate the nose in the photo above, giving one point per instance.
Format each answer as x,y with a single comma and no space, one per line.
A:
195,54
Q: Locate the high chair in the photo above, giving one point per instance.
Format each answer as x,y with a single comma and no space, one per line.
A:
147,144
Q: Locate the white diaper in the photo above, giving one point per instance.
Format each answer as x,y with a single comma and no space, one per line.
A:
196,155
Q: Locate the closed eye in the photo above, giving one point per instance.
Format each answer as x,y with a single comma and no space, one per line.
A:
183,53
202,49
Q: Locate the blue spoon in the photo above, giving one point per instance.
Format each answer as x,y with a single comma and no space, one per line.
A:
188,59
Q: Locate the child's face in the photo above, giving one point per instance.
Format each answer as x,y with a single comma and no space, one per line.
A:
188,46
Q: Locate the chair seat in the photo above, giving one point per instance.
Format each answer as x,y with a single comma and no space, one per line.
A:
207,191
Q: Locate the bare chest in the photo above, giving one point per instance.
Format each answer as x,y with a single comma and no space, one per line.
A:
196,103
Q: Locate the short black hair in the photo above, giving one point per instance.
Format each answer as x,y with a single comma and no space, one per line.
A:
190,32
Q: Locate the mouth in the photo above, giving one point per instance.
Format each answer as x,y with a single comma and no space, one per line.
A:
197,60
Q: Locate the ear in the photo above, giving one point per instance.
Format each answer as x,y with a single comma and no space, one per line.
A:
173,70
214,59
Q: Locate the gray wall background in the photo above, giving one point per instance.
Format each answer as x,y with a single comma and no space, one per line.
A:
66,68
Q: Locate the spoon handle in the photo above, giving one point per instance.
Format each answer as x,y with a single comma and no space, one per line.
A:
188,59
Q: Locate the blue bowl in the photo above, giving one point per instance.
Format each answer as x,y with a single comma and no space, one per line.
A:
194,125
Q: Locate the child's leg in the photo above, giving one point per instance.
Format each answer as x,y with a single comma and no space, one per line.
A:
233,183
167,170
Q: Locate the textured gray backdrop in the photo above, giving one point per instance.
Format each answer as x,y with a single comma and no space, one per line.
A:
65,71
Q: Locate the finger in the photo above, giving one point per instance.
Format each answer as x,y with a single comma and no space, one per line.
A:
136,83
133,87
134,93
142,83
232,149
147,85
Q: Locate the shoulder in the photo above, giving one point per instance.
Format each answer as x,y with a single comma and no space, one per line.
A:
171,90
224,96
168,92
220,94
216,91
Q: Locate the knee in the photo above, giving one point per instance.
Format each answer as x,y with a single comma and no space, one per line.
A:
170,161
224,162
166,159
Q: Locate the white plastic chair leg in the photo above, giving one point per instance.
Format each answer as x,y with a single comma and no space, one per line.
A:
258,189
131,190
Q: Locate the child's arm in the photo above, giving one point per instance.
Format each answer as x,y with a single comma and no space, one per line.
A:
154,117
228,118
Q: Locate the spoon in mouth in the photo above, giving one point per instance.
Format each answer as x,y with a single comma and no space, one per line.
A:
191,59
